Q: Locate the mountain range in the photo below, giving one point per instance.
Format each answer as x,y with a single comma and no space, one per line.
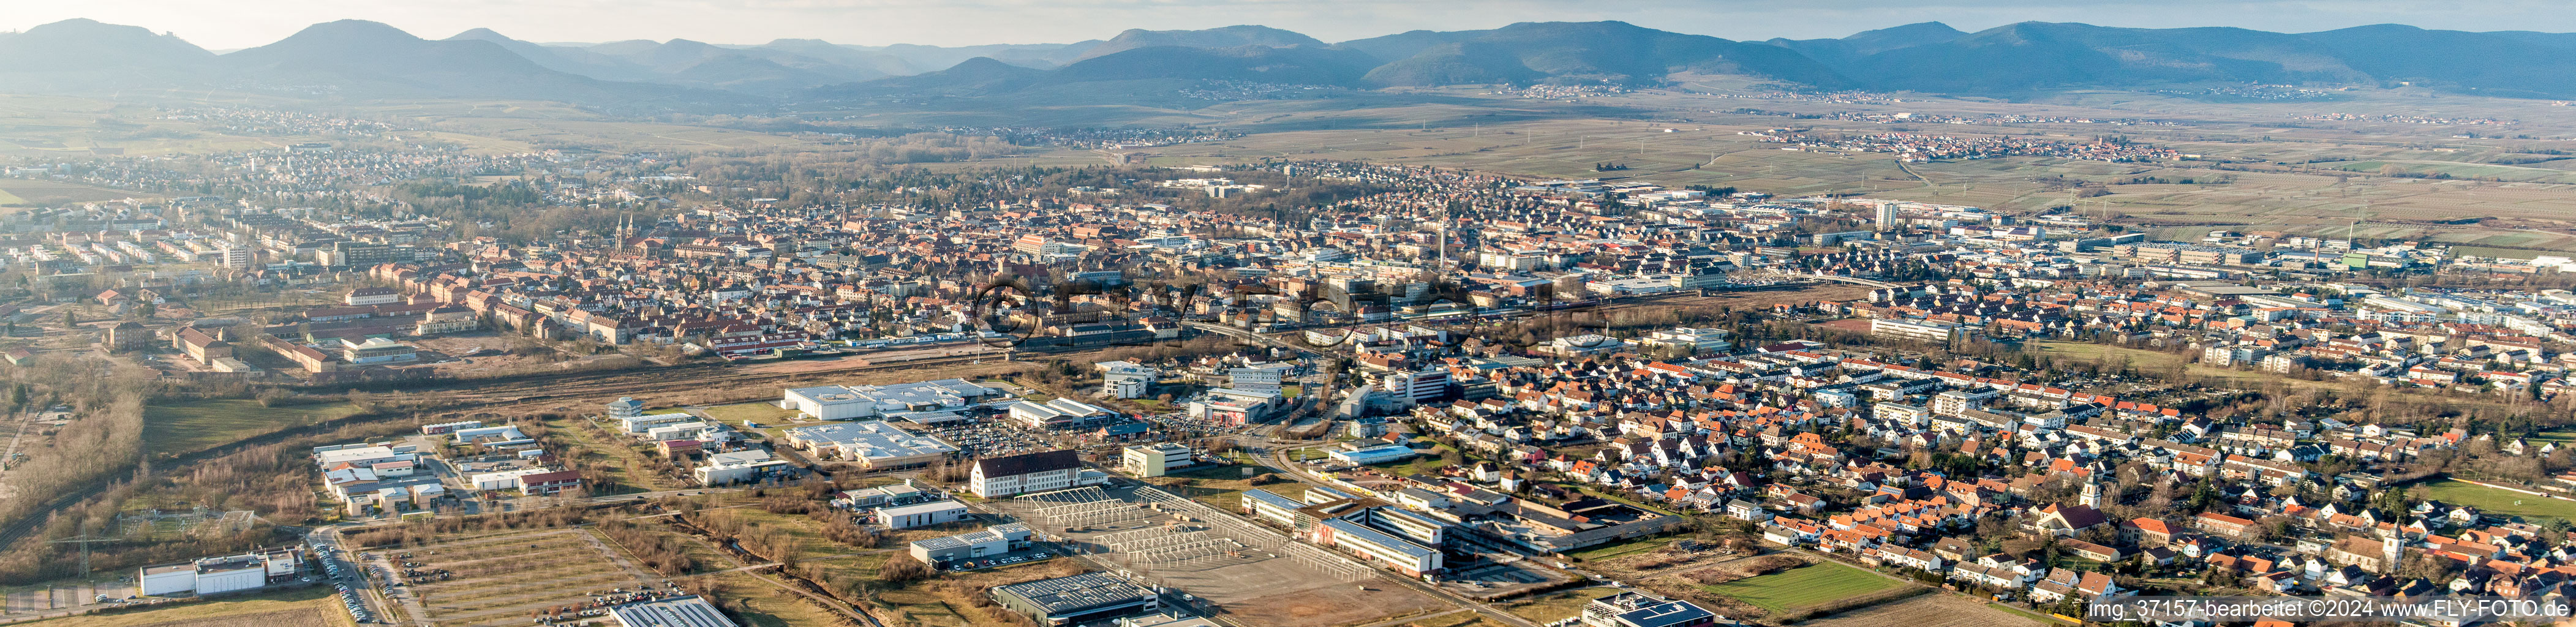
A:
366,60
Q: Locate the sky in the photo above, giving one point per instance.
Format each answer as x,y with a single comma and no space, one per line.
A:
241,24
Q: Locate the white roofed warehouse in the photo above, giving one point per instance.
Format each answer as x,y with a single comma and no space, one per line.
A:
875,444
1079,598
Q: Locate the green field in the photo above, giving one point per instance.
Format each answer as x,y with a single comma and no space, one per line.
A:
42,192
183,427
2554,435
763,413
1804,586
2497,501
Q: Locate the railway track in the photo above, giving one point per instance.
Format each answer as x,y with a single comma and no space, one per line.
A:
632,383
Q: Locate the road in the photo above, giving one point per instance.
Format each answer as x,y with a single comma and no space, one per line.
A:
352,573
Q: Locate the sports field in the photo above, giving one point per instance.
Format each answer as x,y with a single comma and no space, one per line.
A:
2497,501
1804,586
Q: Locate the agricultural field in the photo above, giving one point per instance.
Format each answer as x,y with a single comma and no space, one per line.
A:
41,193
1932,610
183,427
2499,501
34,125
2254,172
500,127
308,607
1804,587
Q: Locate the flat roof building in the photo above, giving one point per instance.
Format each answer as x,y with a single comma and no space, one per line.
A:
836,402
684,611
1154,460
1079,598
1630,609
873,443
921,514
994,540
1378,547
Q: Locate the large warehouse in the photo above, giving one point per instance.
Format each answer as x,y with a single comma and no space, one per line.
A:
875,444
994,540
1079,598
214,575
834,402
683,611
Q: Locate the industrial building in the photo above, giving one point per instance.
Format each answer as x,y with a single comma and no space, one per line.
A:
359,455
1233,406
1154,460
1079,598
215,575
1632,609
921,514
639,424
870,498
994,540
874,444
681,611
1912,330
1060,413
835,402
752,466
1377,547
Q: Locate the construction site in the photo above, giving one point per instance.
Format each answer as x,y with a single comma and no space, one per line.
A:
1225,566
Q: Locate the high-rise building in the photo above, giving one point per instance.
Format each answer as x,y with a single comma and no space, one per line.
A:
1886,218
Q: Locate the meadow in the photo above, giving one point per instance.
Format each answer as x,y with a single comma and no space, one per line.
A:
2498,501
1804,586
183,427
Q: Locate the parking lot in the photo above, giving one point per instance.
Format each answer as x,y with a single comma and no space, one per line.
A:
992,438
1180,426
503,579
